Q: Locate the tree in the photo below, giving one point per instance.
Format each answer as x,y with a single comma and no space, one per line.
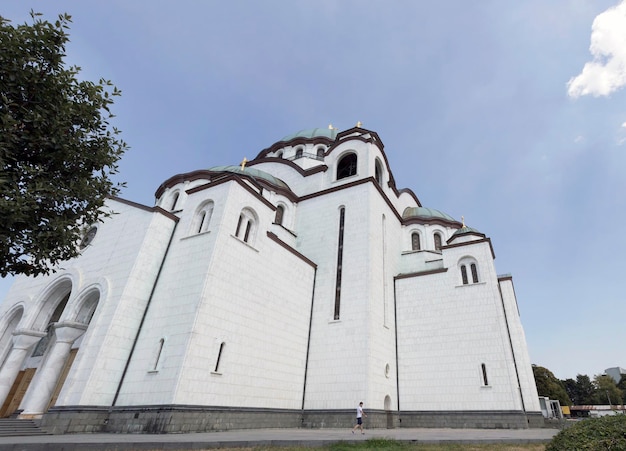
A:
548,385
622,387
581,391
606,390
57,149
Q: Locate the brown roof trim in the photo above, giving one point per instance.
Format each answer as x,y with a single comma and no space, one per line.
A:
232,177
469,243
145,207
505,277
421,273
303,172
180,178
295,142
478,234
274,238
207,174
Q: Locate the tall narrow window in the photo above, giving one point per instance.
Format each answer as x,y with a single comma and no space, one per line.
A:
247,234
239,225
378,172
474,273
219,357
298,153
280,212
342,215
246,226
464,274
437,242
415,241
484,370
158,355
174,201
346,166
202,218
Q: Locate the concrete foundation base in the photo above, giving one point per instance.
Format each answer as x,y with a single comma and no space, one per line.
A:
184,419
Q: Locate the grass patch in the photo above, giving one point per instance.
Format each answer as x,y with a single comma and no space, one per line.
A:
393,445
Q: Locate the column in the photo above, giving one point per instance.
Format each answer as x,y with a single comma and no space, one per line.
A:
23,341
38,397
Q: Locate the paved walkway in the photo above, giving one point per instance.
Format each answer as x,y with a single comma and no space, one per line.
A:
260,437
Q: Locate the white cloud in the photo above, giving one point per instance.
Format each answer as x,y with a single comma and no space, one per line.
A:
607,72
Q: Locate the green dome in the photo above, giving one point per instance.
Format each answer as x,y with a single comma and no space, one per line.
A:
426,213
251,172
465,229
330,133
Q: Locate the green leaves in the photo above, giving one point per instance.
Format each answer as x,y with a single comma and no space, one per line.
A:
57,149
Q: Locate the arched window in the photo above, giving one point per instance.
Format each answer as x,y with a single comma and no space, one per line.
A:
467,266
378,172
347,166
202,218
415,241
474,273
246,226
320,153
299,153
437,237
89,236
279,155
280,212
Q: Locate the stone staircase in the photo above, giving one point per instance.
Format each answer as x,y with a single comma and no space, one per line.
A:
12,427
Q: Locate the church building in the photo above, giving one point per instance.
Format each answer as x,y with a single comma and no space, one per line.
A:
280,292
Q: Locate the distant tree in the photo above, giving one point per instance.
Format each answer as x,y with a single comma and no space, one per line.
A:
581,391
548,385
622,387
606,390
57,150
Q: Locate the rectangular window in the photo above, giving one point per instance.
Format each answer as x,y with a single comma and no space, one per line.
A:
484,370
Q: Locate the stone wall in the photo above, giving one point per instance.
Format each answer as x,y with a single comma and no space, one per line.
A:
183,419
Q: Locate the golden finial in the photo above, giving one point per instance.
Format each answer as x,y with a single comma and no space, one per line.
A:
243,163
330,127
358,124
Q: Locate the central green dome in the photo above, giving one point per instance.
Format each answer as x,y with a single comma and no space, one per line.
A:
426,213
330,133
252,172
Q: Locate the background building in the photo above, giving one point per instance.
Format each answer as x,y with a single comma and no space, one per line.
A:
277,293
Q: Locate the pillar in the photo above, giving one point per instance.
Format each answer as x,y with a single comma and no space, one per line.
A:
38,397
23,341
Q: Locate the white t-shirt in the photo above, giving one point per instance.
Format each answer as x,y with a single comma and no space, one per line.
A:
359,411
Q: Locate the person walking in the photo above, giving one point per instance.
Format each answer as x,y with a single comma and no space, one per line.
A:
359,418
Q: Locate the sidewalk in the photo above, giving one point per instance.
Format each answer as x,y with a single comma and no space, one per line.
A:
265,437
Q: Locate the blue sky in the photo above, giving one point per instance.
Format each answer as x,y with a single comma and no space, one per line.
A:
511,114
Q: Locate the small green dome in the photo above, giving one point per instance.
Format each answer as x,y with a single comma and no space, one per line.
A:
426,213
251,172
465,229
330,133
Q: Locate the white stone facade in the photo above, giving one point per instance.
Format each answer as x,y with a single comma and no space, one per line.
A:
299,284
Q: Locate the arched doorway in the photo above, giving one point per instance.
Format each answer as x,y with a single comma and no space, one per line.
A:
388,412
